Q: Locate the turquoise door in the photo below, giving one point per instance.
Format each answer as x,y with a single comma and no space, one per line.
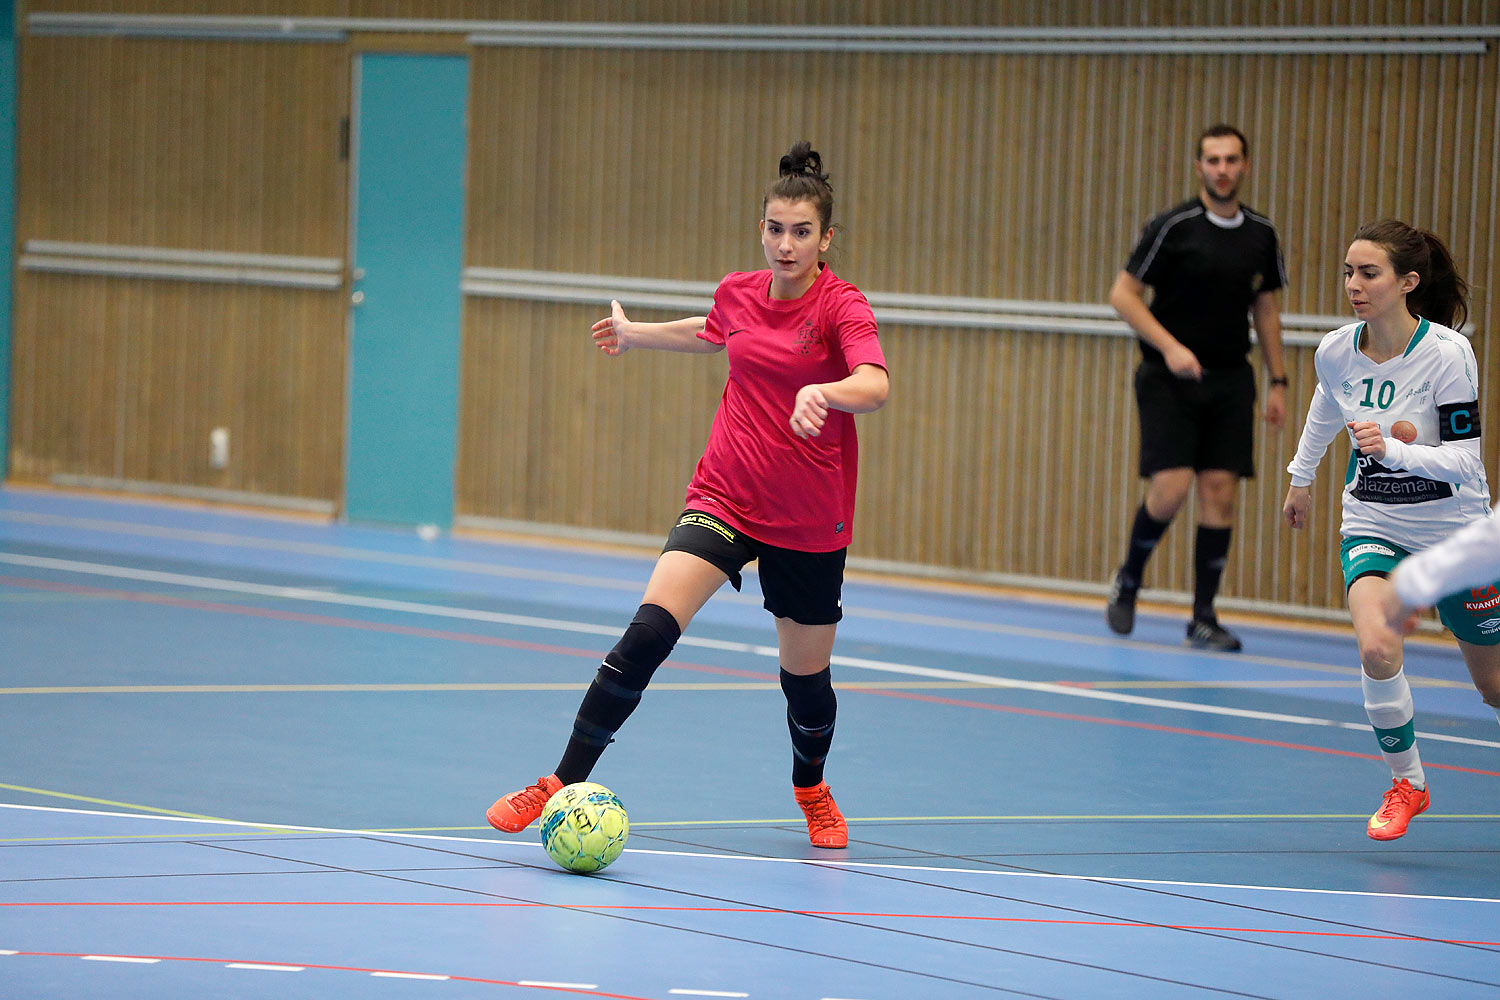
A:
409,142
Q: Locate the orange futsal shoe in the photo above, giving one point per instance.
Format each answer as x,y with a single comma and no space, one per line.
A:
825,824
518,810
1400,804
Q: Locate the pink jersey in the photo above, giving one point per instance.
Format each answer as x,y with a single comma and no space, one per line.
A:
756,475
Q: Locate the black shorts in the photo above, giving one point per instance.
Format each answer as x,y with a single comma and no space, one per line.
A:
806,587
1196,425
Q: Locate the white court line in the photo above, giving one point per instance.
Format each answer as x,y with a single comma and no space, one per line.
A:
415,975
340,552
705,993
557,986
771,652
810,862
258,967
117,958
646,554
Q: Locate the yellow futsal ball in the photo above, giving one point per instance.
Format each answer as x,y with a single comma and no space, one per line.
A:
584,826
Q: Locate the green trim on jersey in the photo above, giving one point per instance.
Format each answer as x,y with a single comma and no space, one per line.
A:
1416,338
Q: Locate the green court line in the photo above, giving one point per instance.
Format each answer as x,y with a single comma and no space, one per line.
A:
518,686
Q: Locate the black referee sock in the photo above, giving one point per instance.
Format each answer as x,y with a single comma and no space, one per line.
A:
1210,552
616,689
811,708
1144,534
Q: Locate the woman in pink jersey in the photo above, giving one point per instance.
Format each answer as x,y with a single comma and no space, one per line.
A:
775,485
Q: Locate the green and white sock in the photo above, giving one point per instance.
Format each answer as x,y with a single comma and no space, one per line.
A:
1388,704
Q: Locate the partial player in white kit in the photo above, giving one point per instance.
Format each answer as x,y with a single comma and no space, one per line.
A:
1404,385
1468,558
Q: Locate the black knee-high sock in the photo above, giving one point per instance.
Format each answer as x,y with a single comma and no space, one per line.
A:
1144,534
616,689
1210,552
810,712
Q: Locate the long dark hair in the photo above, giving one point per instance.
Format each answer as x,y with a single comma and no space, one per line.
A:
1442,295
802,179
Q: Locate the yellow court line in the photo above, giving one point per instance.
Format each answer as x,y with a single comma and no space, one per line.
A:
110,802
107,802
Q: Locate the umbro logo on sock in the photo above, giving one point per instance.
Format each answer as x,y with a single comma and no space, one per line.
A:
1390,741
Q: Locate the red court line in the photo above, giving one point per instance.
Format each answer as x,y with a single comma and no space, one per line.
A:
776,911
333,968
485,640
1154,727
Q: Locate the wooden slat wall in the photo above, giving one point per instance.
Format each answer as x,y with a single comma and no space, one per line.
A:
1018,177
1022,176
227,146
124,379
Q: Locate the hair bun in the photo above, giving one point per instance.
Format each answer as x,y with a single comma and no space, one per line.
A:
803,160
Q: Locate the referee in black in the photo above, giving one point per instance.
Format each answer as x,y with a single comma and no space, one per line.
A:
1211,264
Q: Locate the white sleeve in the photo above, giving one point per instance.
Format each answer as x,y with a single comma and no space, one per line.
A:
1324,423
1469,557
1449,462
1452,461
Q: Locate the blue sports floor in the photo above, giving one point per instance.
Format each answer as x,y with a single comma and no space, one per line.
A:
249,756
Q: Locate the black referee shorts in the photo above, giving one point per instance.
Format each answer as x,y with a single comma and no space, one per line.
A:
806,587
1196,425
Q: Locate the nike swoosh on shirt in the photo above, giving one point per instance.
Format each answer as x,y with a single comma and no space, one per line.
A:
731,333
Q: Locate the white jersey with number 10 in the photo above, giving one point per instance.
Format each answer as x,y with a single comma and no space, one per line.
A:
1425,401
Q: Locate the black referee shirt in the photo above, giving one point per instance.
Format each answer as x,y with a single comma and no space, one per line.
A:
1205,278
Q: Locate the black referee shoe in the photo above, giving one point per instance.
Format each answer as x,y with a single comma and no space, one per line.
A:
1119,612
1207,633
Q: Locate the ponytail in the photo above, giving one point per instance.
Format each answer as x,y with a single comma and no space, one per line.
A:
1447,293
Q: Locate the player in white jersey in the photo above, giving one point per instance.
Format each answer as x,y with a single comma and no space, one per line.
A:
1403,384
1470,557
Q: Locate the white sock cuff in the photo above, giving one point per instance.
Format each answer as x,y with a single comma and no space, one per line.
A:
1388,703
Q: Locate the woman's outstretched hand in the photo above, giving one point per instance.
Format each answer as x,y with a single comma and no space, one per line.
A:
612,333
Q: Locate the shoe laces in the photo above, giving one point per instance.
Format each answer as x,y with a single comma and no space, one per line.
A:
533,796
820,810
1396,797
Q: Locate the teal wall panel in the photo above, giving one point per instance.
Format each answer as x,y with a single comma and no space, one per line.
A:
409,214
